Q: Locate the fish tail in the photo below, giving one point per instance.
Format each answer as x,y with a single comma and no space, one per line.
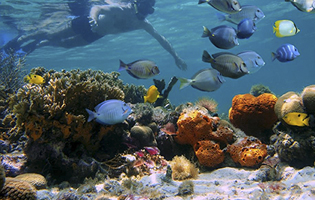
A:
202,1
145,99
306,121
206,57
274,29
206,32
273,56
221,17
122,65
184,82
91,115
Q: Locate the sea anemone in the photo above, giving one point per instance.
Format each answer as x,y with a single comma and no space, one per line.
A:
183,169
210,104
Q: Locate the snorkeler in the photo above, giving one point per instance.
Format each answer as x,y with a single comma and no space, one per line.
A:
110,18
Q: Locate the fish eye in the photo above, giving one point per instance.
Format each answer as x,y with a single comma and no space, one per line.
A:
259,57
299,115
258,10
235,2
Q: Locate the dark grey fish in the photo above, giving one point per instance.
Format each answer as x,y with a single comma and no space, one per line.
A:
223,37
228,64
227,6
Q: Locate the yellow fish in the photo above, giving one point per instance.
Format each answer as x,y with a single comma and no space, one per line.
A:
285,28
297,119
152,95
33,78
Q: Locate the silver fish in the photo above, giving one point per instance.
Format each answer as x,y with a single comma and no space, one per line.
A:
207,80
304,5
223,37
227,6
228,64
253,60
140,69
248,12
110,112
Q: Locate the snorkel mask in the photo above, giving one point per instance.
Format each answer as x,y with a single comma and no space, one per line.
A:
143,8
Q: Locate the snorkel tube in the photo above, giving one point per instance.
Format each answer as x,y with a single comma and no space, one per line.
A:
143,8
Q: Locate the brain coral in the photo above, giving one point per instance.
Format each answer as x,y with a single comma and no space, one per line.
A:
37,180
253,114
308,98
18,190
249,152
288,102
2,177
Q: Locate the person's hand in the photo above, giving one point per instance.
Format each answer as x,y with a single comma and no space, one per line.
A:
181,64
93,24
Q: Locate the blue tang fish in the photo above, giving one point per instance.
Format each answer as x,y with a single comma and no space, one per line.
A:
285,53
223,37
246,28
253,60
110,112
140,69
248,11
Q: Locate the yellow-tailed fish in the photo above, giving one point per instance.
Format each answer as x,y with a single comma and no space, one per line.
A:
33,78
285,28
152,95
297,119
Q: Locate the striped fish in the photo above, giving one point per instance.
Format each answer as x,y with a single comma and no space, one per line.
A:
285,53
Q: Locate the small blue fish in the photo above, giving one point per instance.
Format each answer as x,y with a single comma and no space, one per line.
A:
253,60
110,112
223,37
245,29
285,53
140,69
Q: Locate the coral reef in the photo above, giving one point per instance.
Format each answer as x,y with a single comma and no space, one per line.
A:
144,136
248,151
2,177
14,163
288,102
208,153
308,99
183,169
259,89
253,115
18,190
210,104
37,180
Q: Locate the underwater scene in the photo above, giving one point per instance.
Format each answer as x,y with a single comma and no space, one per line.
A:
151,99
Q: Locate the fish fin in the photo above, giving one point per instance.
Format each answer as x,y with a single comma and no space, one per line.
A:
122,65
306,120
274,29
273,56
207,58
91,115
206,32
160,96
202,1
145,99
221,17
184,82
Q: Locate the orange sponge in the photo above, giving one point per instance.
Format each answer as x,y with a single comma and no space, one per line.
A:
208,153
253,114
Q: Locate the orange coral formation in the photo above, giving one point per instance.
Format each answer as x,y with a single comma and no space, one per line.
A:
193,127
253,114
249,152
209,153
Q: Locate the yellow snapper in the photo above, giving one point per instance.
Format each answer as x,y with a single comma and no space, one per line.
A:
304,5
297,119
33,78
285,28
140,69
152,95
228,64
227,6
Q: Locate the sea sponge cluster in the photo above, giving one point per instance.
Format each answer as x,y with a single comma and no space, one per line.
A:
205,135
248,152
253,114
293,102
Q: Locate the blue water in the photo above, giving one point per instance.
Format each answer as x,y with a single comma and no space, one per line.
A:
181,23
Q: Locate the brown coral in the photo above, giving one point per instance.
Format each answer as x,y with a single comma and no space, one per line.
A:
18,190
249,152
252,114
308,98
208,153
37,180
288,102
2,177
183,169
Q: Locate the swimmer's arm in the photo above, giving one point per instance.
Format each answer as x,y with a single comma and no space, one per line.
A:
104,9
164,43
